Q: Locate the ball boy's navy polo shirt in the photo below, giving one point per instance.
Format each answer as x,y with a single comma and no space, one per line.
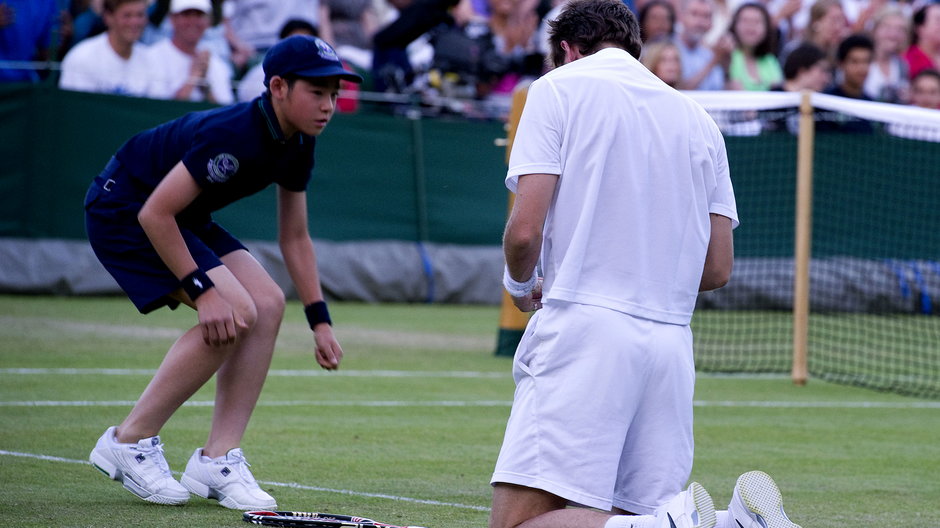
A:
231,152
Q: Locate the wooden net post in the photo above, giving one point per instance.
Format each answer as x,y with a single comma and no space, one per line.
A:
803,242
511,321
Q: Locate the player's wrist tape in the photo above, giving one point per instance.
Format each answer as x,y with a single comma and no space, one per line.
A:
196,283
317,313
516,288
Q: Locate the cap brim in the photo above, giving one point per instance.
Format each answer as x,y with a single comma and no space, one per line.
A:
329,71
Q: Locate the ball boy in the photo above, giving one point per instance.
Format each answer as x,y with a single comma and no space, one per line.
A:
148,217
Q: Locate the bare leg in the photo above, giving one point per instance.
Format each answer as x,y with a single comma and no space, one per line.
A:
522,507
188,364
241,377
186,367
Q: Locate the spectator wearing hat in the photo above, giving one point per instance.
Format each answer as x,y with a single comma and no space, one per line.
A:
113,62
181,69
149,221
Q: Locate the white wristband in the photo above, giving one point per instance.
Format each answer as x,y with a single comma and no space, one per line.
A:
516,288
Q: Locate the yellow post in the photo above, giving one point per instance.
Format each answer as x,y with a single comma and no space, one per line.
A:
803,244
511,321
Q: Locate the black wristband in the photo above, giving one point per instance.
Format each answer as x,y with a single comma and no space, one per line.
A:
317,313
196,283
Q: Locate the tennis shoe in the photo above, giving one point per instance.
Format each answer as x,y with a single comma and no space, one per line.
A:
757,503
141,467
226,479
692,508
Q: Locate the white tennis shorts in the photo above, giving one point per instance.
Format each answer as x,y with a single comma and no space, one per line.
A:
602,414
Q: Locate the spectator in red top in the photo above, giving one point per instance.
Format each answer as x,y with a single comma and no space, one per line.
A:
924,52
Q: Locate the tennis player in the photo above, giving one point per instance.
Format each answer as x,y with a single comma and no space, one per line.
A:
623,194
148,216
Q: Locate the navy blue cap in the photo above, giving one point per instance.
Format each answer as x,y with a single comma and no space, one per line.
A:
304,56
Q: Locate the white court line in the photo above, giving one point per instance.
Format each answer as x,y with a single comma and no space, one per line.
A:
293,485
487,403
273,372
262,403
822,404
345,373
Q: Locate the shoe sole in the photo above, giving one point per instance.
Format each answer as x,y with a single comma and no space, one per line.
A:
761,495
704,505
198,488
102,464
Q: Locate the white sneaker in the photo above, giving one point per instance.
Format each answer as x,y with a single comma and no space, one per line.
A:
140,467
757,503
692,508
226,479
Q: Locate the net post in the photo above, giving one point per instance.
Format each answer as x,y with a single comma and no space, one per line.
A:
803,241
512,322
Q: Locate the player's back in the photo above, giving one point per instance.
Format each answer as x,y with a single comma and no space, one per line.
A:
639,165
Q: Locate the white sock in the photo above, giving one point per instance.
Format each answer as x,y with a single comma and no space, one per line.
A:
725,520
631,521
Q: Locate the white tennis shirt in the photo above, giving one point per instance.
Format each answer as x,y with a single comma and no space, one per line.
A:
169,71
93,66
640,168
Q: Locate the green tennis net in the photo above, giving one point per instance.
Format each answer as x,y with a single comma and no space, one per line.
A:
875,267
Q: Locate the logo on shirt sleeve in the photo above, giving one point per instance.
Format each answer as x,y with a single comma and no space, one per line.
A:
222,167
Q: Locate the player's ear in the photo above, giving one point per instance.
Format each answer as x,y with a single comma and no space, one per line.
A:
278,86
572,53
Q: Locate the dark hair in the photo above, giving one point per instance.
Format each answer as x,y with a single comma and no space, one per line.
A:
928,72
804,57
919,19
767,45
852,42
296,24
645,12
111,6
587,24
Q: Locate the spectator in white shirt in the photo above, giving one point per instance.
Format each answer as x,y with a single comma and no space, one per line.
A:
183,71
113,62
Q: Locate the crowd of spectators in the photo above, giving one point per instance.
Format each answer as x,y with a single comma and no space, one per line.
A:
470,50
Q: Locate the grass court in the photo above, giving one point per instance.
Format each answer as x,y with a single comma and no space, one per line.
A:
408,430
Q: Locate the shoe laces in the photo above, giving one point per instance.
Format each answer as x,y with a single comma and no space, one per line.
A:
237,459
154,454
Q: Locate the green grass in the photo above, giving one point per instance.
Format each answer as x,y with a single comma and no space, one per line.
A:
844,457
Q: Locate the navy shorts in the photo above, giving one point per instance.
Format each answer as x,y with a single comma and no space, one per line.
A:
124,249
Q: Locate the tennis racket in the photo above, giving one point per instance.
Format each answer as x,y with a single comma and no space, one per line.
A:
312,520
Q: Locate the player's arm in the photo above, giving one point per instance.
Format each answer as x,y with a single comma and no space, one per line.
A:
719,258
522,240
301,261
158,218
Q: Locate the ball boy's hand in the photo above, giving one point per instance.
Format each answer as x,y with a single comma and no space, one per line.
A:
328,351
220,323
